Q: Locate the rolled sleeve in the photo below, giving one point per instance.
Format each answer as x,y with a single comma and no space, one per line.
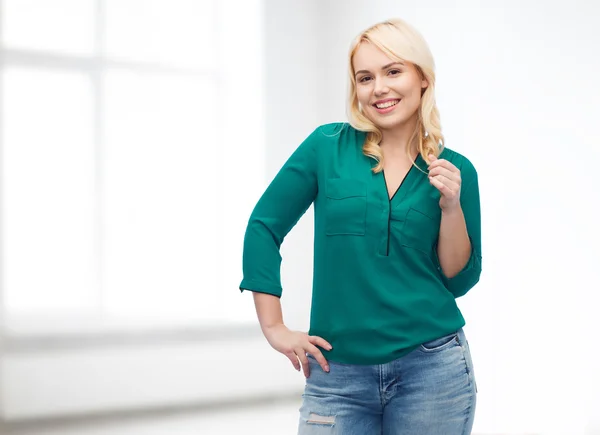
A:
466,279
280,207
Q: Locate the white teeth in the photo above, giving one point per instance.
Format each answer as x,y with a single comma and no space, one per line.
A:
387,104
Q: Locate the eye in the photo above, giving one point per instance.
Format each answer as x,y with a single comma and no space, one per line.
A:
395,71
364,79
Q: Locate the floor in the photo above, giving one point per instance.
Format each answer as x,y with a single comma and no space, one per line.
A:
266,419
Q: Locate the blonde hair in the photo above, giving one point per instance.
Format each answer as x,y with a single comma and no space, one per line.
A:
401,42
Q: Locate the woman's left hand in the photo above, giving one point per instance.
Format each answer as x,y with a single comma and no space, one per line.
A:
445,177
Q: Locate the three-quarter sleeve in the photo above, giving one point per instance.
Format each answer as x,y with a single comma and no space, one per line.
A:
466,279
283,203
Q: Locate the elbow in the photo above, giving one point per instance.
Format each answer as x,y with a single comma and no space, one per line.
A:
261,227
464,282
465,287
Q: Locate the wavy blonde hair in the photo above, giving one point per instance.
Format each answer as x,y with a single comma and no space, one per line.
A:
401,42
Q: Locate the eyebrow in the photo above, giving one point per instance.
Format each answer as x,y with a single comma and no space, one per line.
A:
383,67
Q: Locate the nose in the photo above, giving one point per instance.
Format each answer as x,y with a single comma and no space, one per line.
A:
380,88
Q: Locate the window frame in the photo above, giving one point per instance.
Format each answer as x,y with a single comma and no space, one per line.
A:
94,66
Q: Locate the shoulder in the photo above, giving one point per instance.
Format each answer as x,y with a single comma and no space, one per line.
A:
467,168
339,133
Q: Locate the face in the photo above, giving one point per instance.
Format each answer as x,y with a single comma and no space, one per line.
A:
388,91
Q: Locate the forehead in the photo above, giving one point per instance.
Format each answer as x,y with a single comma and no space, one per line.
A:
368,56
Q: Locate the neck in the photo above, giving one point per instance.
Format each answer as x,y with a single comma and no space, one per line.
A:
395,140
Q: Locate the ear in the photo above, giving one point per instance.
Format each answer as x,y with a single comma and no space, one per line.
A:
424,86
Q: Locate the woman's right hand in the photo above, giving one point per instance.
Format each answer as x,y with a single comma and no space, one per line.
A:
295,345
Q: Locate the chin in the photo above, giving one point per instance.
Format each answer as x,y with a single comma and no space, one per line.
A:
388,124
396,122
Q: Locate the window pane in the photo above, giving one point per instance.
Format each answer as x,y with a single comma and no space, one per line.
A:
178,32
59,25
48,191
162,164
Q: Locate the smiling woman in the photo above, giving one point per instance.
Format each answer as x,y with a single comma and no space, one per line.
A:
396,241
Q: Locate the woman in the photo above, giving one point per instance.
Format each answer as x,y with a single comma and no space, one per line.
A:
397,240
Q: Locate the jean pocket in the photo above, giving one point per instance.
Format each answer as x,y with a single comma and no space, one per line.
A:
345,207
441,343
469,364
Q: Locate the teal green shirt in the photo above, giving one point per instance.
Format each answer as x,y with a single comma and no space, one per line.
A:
378,288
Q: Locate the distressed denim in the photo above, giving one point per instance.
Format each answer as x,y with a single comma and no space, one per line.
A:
430,391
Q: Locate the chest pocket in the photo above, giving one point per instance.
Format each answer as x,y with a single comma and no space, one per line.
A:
346,207
421,228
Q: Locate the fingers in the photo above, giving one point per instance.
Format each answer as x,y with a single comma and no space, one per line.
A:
301,353
439,185
441,163
313,350
298,358
440,170
319,357
294,360
449,182
444,185
318,341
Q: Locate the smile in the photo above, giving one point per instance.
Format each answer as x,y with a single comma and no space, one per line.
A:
387,104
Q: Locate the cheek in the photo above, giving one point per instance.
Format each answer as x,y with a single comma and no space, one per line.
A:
416,99
363,96
414,96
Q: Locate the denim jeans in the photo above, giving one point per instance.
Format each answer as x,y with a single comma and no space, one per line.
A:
430,391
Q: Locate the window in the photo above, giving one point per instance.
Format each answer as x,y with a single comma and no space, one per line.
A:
133,148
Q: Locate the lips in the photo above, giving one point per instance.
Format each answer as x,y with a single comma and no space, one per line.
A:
387,103
387,106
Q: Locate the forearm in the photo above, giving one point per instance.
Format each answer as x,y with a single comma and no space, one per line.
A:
454,246
268,309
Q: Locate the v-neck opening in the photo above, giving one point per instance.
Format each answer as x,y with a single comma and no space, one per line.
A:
387,194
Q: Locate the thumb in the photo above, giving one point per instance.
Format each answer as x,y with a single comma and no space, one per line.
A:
432,158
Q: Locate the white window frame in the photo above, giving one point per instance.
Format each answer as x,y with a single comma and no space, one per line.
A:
34,338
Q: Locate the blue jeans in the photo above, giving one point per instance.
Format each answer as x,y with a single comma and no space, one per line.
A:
430,391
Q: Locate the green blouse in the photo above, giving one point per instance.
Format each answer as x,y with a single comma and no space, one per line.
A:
378,288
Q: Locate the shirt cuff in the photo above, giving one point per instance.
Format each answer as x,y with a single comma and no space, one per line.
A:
255,286
468,276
